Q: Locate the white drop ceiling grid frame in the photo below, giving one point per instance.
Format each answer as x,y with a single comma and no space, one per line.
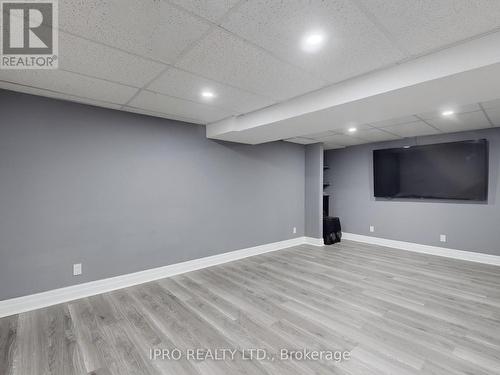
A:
469,117
154,57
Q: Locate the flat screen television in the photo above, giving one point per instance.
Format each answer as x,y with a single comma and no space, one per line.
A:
456,170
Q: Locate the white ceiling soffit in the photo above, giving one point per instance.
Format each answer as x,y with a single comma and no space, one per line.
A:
463,74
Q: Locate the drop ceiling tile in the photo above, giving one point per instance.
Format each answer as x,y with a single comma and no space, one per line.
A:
158,114
394,121
55,95
153,29
354,45
424,25
301,140
457,109
491,104
343,140
202,113
175,82
376,135
223,57
412,129
212,10
494,115
70,83
461,122
345,129
321,135
94,59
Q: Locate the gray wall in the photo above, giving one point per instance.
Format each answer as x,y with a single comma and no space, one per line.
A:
468,226
121,192
314,190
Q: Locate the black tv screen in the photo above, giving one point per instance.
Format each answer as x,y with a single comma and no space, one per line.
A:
456,170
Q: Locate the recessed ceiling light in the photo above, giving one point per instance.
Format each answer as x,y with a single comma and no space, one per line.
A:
207,94
447,113
351,130
313,41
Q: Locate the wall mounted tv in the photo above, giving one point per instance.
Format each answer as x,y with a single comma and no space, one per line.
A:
456,170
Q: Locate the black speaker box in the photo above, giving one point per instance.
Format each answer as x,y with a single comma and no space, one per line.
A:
332,231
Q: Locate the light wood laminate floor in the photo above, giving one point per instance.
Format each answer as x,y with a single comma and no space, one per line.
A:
397,312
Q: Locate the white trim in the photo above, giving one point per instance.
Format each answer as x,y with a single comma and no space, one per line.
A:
313,241
56,296
426,249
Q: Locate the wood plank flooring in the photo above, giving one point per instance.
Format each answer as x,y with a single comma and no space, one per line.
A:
396,312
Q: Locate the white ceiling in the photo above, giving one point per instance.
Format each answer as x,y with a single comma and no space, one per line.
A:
468,117
155,57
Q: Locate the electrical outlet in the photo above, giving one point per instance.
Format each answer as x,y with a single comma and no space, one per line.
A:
294,229
77,269
442,238
372,228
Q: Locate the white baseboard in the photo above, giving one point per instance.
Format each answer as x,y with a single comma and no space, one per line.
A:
426,249
56,296
314,241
